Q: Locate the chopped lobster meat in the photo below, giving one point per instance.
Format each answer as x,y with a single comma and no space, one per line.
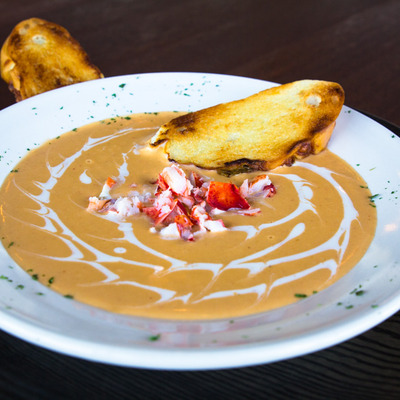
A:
259,186
224,196
181,228
200,215
165,209
96,204
127,206
176,180
171,231
205,222
105,193
184,225
213,225
182,206
249,212
196,180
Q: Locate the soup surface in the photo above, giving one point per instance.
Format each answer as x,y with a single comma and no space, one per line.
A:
311,233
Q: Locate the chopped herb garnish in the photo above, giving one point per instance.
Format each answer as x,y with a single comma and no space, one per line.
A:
360,292
154,338
10,244
122,85
300,295
40,293
35,277
19,287
68,296
349,307
51,280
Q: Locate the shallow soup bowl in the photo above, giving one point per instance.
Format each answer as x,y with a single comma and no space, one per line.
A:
332,316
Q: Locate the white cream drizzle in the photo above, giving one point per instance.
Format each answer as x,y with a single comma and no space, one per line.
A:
54,225
85,178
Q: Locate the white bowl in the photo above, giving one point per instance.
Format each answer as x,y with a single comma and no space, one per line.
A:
69,327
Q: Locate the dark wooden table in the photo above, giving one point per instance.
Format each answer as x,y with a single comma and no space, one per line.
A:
353,42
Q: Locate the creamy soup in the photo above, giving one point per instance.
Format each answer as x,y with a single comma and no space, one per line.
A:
307,236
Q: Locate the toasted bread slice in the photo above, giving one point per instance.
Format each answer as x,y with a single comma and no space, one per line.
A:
39,56
260,132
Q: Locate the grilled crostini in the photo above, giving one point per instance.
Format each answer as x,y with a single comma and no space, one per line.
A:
39,56
263,131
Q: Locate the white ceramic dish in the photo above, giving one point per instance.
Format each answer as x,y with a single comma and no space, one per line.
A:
325,319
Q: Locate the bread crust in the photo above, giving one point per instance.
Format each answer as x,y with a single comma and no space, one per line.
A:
263,131
39,56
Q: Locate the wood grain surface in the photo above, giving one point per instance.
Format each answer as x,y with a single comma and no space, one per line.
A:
353,42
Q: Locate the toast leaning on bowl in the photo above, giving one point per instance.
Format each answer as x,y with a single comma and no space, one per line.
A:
261,132
39,56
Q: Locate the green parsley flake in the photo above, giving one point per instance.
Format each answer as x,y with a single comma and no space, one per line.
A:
154,338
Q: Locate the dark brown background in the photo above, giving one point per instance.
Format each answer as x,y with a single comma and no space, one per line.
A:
353,42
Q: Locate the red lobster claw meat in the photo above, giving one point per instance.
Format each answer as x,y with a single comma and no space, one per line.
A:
225,195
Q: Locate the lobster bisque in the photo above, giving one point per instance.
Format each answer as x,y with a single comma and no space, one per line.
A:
311,233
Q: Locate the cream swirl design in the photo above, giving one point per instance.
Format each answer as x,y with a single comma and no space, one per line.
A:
283,241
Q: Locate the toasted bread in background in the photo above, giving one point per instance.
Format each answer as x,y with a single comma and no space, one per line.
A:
260,132
39,56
